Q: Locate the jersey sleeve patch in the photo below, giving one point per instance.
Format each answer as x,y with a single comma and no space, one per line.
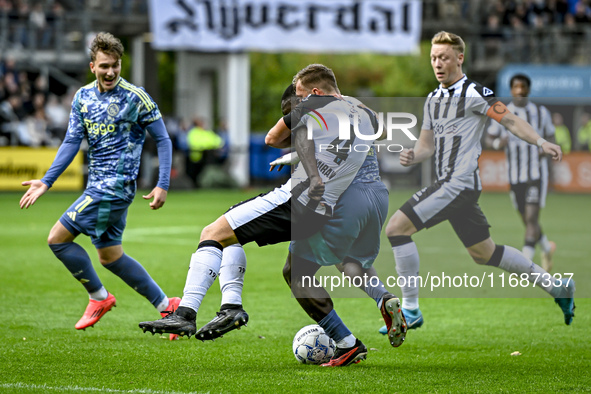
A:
487,94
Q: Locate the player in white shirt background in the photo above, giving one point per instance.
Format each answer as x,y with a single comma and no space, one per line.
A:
527,166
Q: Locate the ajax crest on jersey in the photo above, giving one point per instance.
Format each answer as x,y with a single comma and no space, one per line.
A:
311,345
113,109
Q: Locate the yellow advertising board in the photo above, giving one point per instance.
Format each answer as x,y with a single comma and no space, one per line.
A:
18,164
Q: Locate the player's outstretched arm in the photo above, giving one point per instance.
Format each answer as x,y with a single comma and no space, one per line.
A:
287,159
157,130
36,190
423,149
159,196
552,150
525,131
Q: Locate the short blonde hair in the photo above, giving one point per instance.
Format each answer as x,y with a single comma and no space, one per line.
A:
454,40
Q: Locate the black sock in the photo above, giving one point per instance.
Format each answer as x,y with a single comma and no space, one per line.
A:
230,306
187,313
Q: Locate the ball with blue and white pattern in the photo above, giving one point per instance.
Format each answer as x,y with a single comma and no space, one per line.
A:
311,345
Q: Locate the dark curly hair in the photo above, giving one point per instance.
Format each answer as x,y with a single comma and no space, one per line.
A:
288,97
520,77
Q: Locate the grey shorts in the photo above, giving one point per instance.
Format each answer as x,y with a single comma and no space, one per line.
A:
353,231
446,201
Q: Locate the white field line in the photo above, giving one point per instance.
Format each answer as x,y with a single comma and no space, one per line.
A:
44,387
190,231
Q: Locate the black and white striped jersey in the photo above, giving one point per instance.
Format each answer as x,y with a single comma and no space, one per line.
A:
524,162
457,116
338,159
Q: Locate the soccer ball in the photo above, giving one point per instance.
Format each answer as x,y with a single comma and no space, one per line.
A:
311,345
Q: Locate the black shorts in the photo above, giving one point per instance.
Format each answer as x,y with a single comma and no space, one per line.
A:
271,218
446,201
527,193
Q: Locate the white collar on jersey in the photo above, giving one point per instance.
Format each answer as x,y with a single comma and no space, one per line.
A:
455,85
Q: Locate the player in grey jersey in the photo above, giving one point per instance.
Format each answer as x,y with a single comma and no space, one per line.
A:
527,168
349,234
349,239
455,115
267,219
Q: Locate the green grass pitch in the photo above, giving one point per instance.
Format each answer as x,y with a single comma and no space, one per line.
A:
464,346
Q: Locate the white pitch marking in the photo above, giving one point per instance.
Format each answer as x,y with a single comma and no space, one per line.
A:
45,387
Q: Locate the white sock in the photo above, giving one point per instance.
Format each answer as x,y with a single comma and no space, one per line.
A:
204,268
163,304
528,252
544,244
515,262
99,295
407,265
232,274
348,341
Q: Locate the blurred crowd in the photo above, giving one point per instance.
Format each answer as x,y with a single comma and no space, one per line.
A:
536,30
537,13
31,24
38,24
30,114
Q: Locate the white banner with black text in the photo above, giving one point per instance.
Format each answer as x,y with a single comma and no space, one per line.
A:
327,26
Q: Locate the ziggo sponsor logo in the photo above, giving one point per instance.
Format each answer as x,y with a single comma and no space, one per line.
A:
98,128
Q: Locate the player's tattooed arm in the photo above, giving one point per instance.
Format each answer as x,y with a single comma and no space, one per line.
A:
526,132
307,153
519,128
508,122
